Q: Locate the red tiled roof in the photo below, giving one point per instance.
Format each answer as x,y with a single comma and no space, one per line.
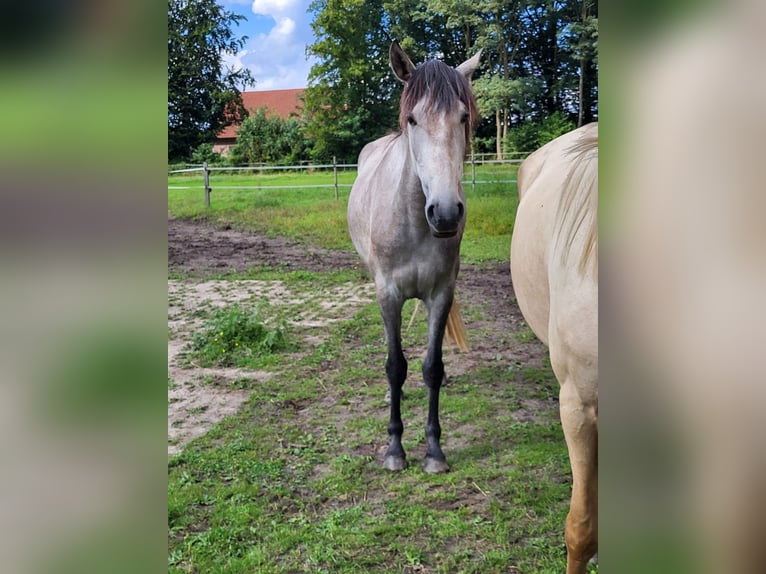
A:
283,103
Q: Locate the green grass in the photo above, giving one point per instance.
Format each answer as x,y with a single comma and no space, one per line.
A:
292,483
314,215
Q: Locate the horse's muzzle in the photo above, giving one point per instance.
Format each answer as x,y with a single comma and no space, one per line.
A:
444,221
443,234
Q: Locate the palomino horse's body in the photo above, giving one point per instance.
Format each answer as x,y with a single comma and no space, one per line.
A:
406,214
554,265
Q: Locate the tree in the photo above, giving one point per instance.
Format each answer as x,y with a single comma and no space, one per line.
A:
348,101
584,48
203,97
462,18
205,154
493,94
505,99
539,58
560,46
264,138
532,135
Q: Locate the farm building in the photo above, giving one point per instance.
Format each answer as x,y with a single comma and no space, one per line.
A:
283,103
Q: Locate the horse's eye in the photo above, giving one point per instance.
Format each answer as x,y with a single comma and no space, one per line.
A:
464,118
411,120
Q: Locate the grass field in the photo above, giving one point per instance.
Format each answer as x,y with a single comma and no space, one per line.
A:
314,215
292,481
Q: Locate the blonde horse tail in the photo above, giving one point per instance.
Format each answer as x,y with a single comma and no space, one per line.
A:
456,328
455,331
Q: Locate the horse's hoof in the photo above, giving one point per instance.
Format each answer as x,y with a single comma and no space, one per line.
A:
395,463
435,466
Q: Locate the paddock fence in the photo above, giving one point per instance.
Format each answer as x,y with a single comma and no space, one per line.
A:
469,178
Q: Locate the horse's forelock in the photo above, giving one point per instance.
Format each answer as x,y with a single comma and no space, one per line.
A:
442,87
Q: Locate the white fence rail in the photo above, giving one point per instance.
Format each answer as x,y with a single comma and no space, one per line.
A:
207,170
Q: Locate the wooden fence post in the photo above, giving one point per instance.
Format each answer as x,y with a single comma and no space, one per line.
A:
207,184
473,172
335,173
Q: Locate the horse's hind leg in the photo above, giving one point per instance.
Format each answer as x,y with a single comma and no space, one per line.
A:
581,432
396,372
433,376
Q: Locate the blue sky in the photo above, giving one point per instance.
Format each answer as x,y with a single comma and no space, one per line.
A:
278,32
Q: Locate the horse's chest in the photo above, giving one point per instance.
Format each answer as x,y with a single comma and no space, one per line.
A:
417,268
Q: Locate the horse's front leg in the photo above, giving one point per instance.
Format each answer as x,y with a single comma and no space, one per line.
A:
433,376
396,372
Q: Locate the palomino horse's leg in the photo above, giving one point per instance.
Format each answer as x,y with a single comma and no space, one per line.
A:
433,376
581,432
396,372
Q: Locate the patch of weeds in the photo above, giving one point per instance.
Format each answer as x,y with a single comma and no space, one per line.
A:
199,313
525,334
235,336
541,383
241,384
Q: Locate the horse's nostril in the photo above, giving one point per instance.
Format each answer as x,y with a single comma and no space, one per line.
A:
430,211
460,209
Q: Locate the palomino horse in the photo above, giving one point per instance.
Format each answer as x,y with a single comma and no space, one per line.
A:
554,265
406,215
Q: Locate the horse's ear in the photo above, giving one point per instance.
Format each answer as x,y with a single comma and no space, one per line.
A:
400,63
468,67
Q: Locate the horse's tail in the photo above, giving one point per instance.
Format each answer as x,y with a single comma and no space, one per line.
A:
456,328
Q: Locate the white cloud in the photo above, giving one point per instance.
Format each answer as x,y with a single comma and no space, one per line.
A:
272,7
285,27
277,58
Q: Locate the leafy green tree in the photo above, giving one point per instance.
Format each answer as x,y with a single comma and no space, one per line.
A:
348,101
504,98
204,153
539,57
534,134
553,49
264,138
462,19
583,44
203,96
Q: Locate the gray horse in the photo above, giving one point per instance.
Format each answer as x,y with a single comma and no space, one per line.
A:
406,215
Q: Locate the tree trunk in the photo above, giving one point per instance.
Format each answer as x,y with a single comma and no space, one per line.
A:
499,134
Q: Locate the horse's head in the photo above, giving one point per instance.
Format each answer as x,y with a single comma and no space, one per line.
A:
437,114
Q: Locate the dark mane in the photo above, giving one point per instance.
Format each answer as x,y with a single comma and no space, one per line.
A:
441,87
